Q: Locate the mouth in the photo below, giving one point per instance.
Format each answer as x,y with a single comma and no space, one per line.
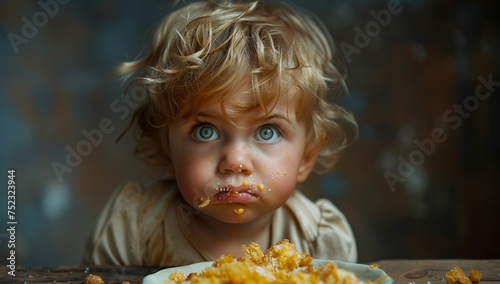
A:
230,190
243,193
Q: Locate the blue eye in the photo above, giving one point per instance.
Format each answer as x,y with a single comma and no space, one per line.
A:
268,134
205,132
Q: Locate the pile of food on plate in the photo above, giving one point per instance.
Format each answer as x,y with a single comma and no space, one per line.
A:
279,264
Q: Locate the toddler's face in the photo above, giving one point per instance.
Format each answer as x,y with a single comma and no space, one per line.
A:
238,172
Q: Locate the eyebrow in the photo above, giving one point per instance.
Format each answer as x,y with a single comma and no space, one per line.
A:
278,116
205,115
257,120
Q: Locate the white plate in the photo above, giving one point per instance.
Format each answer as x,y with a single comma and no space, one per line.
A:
363,272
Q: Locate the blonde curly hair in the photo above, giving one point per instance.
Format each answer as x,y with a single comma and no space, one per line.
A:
205,51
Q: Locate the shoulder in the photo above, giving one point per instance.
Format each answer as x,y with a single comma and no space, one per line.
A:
325,227
126,193
133,193
120,205
155,202
146,205
119,232
133,196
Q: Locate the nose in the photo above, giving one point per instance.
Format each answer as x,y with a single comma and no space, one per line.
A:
236,158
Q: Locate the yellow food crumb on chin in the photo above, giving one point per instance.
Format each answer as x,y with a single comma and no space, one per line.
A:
260,186
244,182
239,211
204,202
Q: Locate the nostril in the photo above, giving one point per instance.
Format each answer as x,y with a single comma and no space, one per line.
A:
236,159
241,168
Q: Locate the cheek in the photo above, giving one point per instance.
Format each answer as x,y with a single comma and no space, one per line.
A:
192,172
282,173
195,183
190,168
186,157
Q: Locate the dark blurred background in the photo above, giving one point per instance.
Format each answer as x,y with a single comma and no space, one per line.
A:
422,181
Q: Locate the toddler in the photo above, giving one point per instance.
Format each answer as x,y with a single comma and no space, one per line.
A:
239,112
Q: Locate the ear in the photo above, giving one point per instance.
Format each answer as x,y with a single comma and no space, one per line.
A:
306,165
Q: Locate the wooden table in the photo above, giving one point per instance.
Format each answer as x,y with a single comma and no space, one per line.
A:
433,271
74,274
402,271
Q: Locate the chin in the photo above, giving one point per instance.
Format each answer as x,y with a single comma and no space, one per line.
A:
233,216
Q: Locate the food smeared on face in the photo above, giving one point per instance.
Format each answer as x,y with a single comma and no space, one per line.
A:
278,174
227,190
239,211
245,183
204,202
243,191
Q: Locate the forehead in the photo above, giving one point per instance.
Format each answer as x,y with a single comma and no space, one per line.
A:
247,104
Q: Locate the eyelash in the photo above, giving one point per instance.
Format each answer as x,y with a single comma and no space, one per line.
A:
269,124
199,124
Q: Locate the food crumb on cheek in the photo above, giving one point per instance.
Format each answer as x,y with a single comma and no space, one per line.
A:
260,186
204,202
239,211
244,182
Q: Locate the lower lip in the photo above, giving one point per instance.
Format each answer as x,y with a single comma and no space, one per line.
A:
242,197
